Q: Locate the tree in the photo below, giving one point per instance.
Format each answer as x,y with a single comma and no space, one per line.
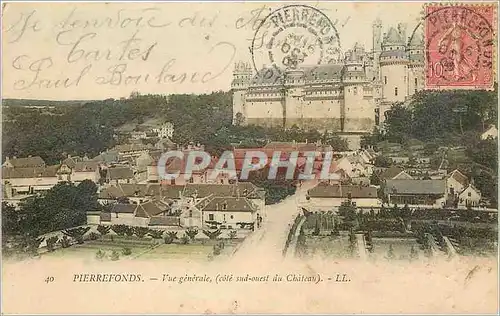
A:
413,253
141,231
170,237
382,161
233,234
76,233
156,234
390,252
374,179
212,234
120,229
192,232
103,229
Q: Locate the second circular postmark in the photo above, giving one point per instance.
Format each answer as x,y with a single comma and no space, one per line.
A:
292,36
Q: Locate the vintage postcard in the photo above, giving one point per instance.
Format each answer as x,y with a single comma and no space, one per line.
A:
249,157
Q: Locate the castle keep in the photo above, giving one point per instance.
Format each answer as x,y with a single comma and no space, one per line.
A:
349,98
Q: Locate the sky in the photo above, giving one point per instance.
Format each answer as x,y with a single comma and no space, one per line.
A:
89,51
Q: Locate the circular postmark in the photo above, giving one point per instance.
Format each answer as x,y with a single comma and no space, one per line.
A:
294,35
459,46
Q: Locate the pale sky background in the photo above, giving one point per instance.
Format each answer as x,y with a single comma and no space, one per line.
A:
187,48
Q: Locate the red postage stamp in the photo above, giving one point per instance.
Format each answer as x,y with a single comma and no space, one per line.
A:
460,46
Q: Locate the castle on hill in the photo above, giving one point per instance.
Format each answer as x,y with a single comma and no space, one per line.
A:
349,98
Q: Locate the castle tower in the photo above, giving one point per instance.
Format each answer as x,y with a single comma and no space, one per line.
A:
416,63
393,63
242,76
377,46
358,113
294,98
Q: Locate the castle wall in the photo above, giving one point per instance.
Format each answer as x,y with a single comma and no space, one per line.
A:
264,112
359,108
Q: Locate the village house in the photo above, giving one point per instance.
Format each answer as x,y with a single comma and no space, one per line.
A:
228,212
119,175
133,215
456,182
28,162
393,173
132,150
491,132
28,180
135,193
415,192
107,158
469,197
325,197
166,130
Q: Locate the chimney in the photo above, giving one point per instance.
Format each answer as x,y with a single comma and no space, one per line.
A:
216,206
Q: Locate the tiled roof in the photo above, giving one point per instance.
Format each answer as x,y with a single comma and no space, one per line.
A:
107,157
415,186
342,191
166,191
28,162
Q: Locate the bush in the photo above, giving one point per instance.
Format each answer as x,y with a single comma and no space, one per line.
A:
114,256
233,234
51,242
93,236
217,250
168,239
126,251
212,234
100,254
65,242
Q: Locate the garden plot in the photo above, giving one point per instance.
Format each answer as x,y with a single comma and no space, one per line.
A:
395,248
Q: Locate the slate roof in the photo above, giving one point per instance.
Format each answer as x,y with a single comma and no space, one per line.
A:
393,37
86,166
230,204
150,209
459,177
116,173
28,162
107,157
124,190
342,191
390,173
414,186
123,208
164,221
38,172
166,191
246,189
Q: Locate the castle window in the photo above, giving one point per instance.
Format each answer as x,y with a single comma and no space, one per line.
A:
385,79
416,81
396,91
355,90
405,77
